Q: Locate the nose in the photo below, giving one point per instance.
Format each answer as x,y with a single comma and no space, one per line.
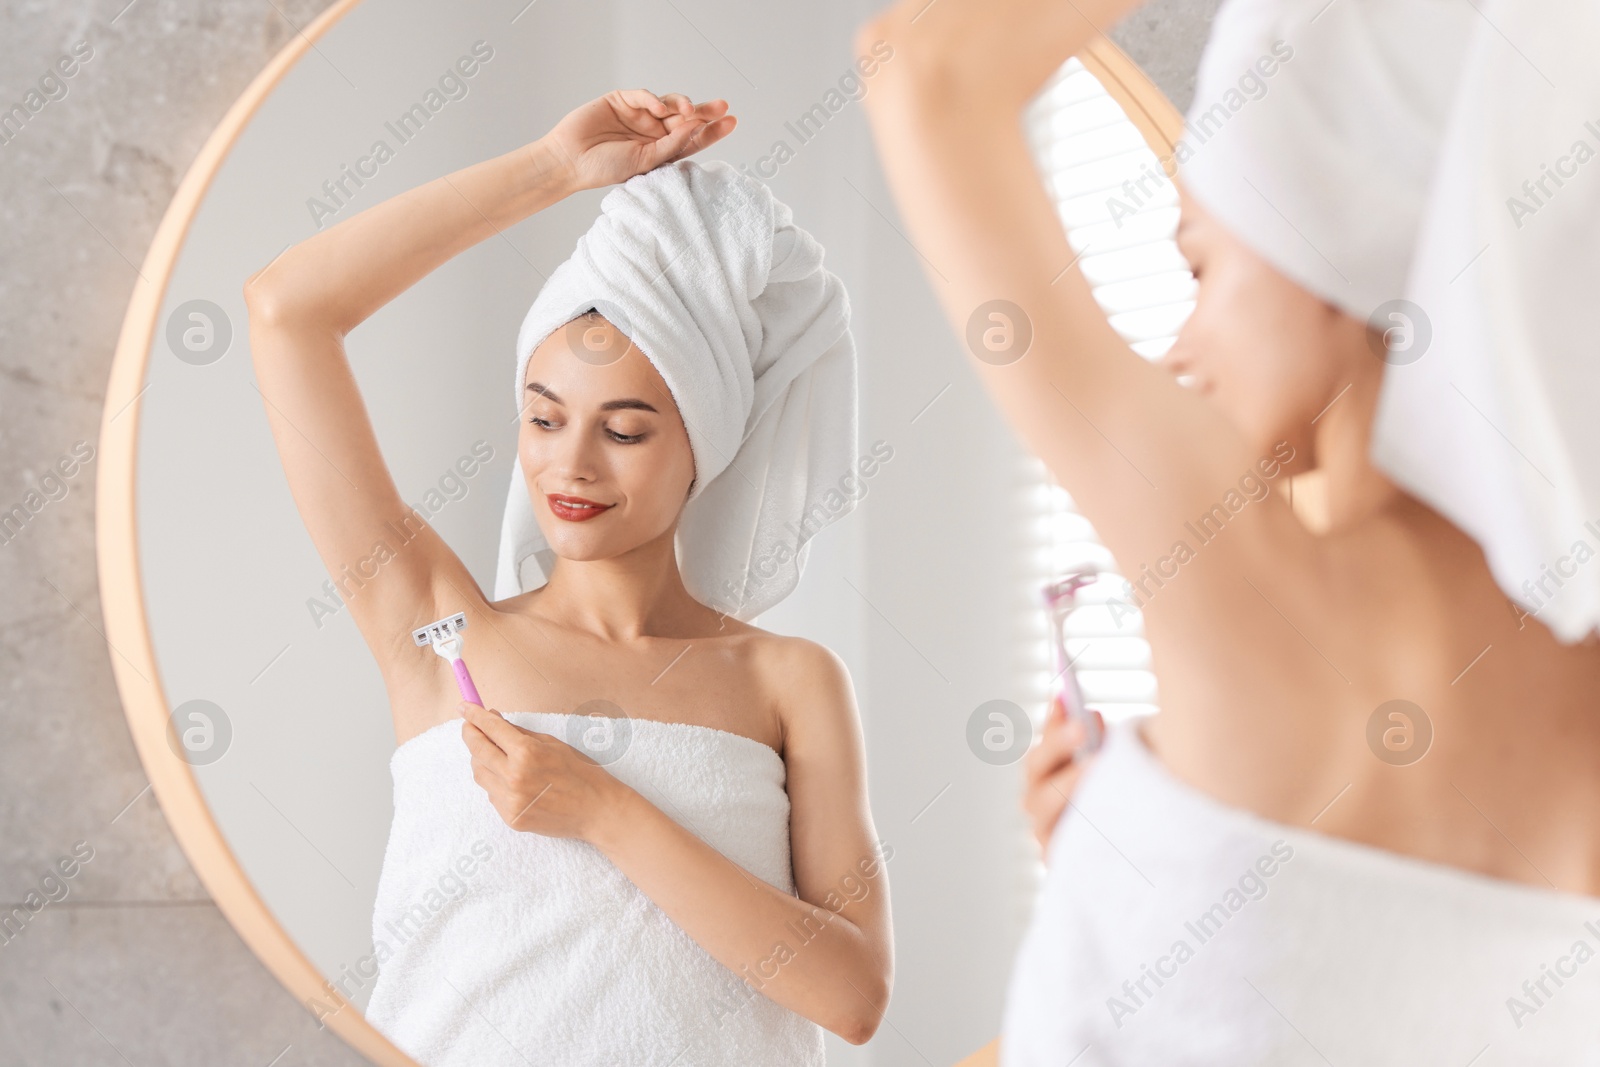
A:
567,457
575,462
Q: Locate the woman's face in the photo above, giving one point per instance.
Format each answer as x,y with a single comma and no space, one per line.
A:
1269,353
599,426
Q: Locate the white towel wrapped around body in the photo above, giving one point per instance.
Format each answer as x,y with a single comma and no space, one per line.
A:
515,949
1173,929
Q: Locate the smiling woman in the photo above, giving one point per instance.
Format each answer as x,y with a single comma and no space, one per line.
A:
662,476
722,817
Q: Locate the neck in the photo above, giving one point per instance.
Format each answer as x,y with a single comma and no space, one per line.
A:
1342,442
637,594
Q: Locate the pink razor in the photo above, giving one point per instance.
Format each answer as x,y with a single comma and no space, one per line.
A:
445,636
1060,598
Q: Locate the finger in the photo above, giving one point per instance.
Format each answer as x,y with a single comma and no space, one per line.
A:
1062,783
708,114
1043,766
1057,725
645,100
705,135
714,132
1057,745
1065,738
1072,732
488,780
494,725
674,145
679,103
483,748
711,110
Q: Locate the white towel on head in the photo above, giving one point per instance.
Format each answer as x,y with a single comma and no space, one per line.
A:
1386,161
706,272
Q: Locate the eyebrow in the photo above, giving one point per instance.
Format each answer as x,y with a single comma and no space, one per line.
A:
625,404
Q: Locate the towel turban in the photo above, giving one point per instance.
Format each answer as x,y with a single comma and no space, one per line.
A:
706,272
1425,165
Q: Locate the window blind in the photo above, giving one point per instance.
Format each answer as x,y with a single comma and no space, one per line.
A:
1119,214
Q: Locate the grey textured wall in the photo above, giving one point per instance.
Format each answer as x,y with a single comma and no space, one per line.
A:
134,965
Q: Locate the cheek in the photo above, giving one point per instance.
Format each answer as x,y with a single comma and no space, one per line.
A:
532,452
1251,344
660,476
654,480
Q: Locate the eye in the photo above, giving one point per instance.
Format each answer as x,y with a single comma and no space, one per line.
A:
543,424
626,438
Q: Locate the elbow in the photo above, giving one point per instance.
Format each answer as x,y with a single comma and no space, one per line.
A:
275,298
868,1011
875,37
263,307
885,61
271,305
859,1031
909,66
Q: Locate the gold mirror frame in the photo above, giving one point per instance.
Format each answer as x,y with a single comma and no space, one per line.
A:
117,550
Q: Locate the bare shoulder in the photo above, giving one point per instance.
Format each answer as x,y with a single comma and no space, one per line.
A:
799,662
811,688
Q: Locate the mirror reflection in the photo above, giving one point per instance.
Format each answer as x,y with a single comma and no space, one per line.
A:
363,475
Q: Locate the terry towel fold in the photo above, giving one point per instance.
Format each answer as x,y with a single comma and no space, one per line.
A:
510,948
1175,930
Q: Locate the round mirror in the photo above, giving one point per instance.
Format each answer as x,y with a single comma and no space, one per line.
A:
257,709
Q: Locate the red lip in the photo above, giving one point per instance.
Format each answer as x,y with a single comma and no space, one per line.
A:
573,509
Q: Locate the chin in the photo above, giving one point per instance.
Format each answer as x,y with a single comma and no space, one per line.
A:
580,545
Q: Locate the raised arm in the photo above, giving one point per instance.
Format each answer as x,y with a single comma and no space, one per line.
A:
1140,454
304,303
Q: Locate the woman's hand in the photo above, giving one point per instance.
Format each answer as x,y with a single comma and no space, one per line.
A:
538,783
630,131
1052,771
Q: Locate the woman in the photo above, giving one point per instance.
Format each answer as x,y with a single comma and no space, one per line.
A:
597,910
1378,908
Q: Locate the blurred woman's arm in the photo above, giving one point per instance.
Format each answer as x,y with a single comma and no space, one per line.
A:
1140,454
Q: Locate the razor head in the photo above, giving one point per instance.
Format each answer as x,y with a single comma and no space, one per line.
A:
440,631
1066,588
